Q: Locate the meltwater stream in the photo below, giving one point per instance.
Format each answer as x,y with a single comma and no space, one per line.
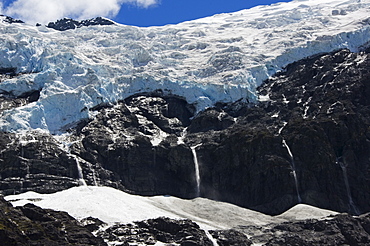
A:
196,165
352,206
292,163
80,174
213,240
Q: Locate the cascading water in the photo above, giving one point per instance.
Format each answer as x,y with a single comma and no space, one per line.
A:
292,163
24,140
80,174
180,140
352,207
196,165
213,240
65,144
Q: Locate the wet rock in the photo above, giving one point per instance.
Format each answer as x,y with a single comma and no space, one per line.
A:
35,162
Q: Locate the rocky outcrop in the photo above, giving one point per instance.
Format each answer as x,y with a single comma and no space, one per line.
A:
230,238
342,229
164,230
35,162
126,139
10,20
67,23
319,107
31,225
309,142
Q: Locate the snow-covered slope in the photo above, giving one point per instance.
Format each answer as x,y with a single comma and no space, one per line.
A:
219,58
111,206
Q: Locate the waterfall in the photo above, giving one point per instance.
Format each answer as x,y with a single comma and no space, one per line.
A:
65,144
213,240
27,170
196,165
180,140
352,206
292,163
80,174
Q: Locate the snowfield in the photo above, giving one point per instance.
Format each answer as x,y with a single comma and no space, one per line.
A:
222,58
114,206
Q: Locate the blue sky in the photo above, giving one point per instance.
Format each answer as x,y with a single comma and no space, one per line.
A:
175,11
130,12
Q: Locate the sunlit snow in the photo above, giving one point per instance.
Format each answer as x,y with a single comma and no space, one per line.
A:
222,58
111,206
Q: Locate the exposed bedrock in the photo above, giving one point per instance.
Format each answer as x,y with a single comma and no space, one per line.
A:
307,141
31,225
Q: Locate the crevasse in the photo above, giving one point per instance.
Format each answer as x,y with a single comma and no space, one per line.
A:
222,58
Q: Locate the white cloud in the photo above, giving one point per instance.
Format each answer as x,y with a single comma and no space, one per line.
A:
44,11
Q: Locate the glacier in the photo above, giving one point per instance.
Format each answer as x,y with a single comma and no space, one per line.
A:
222,58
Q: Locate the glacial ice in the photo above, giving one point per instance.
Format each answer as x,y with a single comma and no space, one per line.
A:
221,58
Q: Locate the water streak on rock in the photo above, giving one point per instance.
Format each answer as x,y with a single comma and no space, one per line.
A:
352,207
292,163
80,174
196,165
213,240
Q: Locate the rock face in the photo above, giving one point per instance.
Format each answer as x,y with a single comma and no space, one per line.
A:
165,230
31,225
319,107
67,23
125,139
307,141
339,230
230,238
10,20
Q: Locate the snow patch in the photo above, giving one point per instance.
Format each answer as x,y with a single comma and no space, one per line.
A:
112,206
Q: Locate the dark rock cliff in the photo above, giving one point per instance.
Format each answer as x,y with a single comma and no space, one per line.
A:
308,143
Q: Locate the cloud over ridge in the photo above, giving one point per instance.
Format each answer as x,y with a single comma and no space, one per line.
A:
44,11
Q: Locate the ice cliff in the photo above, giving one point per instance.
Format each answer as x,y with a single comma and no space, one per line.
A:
222,58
